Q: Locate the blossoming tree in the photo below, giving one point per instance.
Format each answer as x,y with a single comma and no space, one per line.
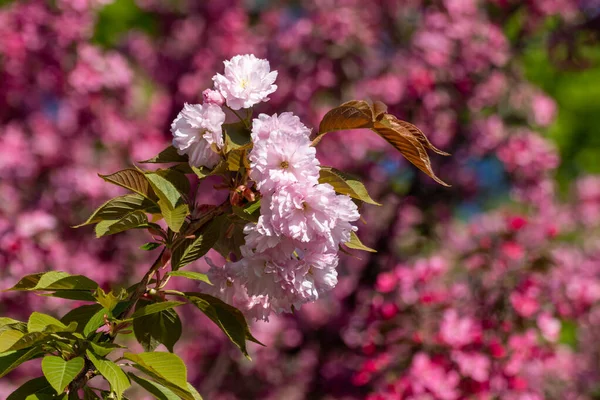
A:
280,230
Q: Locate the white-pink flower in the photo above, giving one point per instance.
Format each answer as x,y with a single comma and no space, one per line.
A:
310,214
197,132
283,159
247,81
286,123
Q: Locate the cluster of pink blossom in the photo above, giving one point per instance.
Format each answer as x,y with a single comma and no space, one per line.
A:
70,108
290,254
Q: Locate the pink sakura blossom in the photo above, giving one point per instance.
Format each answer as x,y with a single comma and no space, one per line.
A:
213,97
197,132
283,159
247,81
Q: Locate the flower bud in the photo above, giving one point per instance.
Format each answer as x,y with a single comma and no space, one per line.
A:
213,97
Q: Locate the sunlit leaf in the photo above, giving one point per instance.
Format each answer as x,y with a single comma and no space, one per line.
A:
135,219
112,373
121,206
168,155
356,244
345,184
166,369
198,276
54,280
131,179
59,372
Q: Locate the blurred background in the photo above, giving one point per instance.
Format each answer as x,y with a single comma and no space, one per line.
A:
487,290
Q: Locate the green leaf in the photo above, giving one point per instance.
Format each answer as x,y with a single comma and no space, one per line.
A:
155,389
228,318
134,219
237,135
119,207
112,373
169,185
88,317
198,276
166,369
192,249
54,280
155,308
111,299
237,160
194,392
131,179
103,349
59,372
345,184
174,217
356,244
162,327
12,359
31,388
8,338
84,295
168,155
250,212
150,246
38,322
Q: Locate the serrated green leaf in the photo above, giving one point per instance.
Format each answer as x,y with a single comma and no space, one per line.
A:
192,249
131,179
345,184
198,276
59,372
33,387
228,318
119,207
168,155
250,212
356,244
166,369
169,185
155,389
134,219
112,373
174,217
54,280
237,160
155,308
11,360
162,327
150,246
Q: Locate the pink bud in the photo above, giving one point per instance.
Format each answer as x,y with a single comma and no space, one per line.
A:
213,97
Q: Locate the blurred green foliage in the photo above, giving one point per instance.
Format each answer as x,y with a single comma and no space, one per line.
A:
577,93
120,17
